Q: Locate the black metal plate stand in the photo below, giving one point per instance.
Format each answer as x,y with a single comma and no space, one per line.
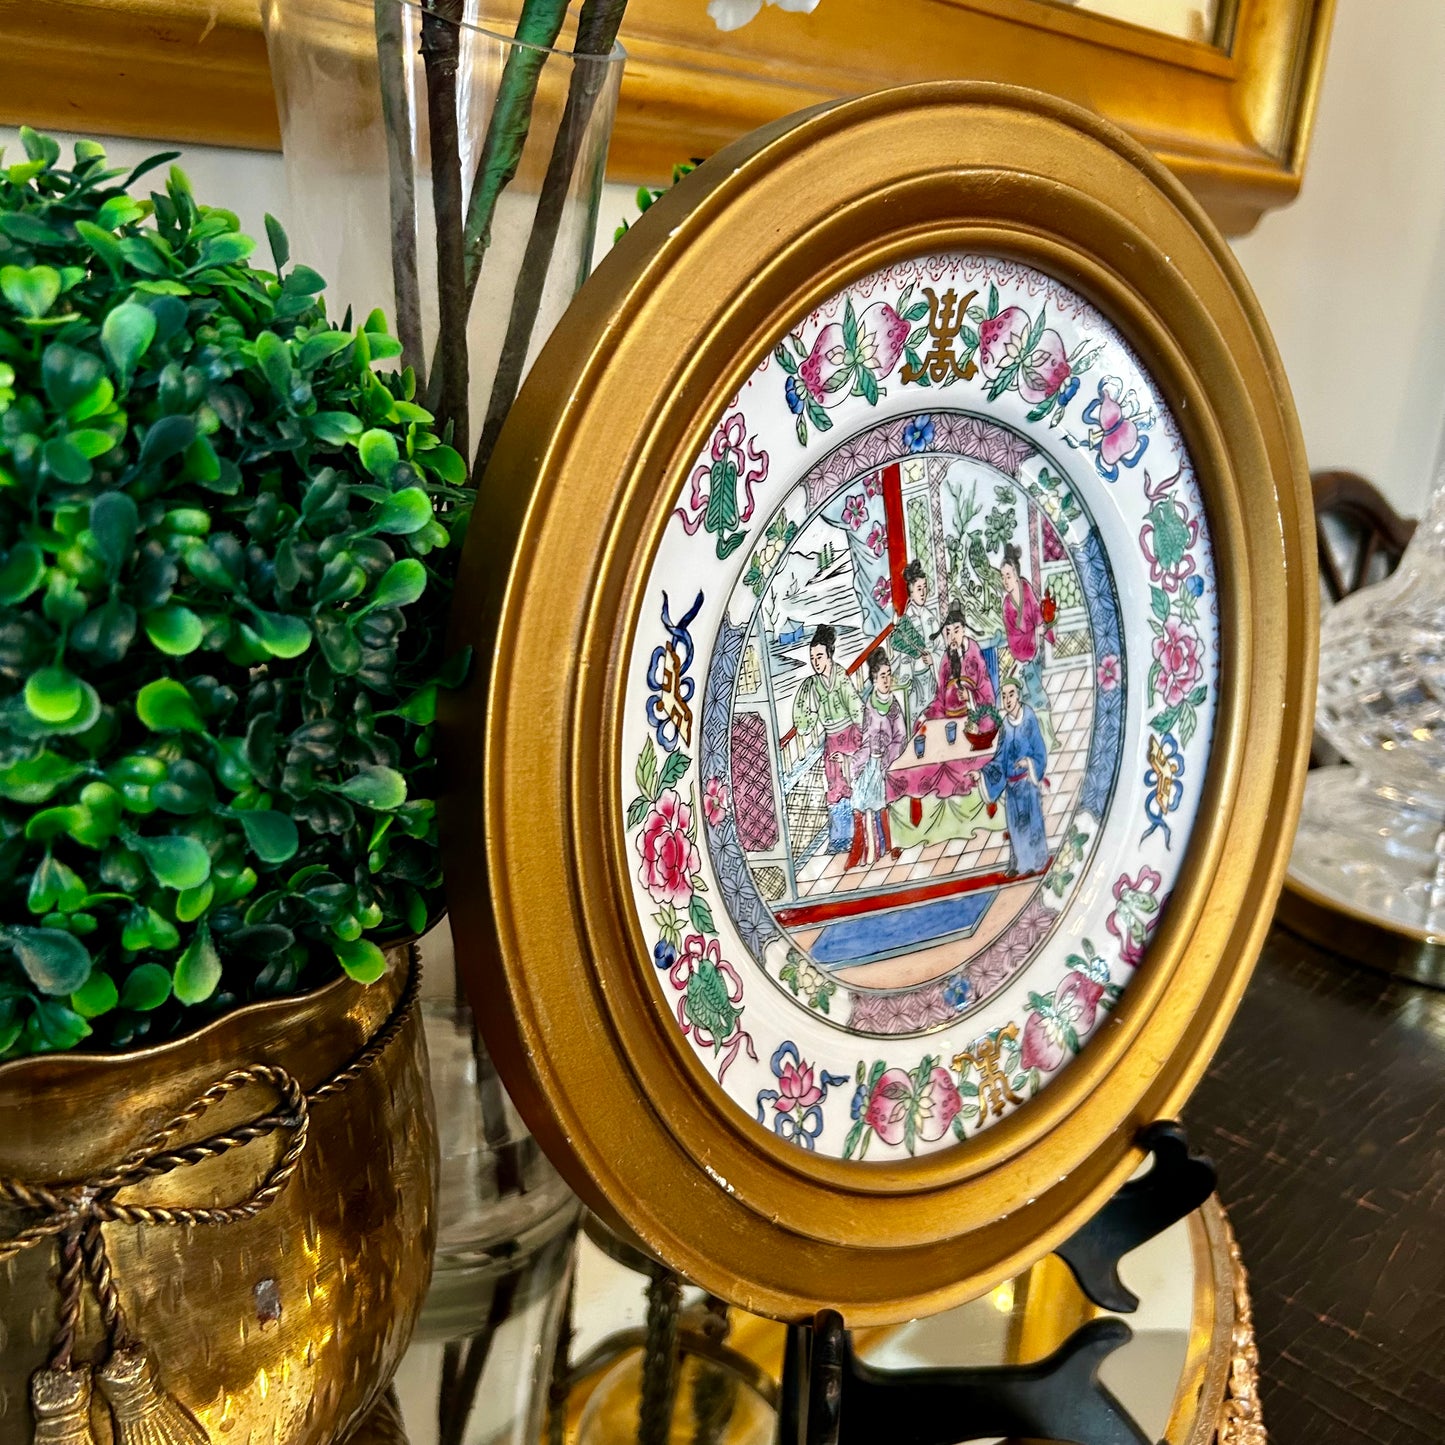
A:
832,1398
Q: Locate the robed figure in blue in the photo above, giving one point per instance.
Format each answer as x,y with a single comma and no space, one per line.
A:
1017,773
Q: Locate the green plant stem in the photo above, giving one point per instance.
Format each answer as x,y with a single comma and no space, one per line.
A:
511,118
401,186
506,137
440,48
596,34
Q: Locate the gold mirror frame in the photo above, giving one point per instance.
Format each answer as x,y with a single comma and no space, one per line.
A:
1230,117
615,410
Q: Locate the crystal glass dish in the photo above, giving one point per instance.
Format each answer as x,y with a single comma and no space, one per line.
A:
1371,842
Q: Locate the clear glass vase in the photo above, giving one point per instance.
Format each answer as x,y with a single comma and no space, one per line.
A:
451,176
447,173
481,1362
1372,835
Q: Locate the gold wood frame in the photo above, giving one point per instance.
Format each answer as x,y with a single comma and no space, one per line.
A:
580,486
1231,120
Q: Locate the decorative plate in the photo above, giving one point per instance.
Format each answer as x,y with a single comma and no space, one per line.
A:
896,703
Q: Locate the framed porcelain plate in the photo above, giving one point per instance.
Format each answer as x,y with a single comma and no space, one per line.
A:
895,584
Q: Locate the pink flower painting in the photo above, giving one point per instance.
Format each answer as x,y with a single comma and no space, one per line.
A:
1176,651
796,1089
797,1102
715,800
669,856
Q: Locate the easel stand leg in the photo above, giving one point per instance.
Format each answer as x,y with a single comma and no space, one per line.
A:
829,1397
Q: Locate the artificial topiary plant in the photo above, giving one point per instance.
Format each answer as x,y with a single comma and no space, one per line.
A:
216,521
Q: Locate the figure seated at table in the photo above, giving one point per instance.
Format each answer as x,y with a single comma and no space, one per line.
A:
963,680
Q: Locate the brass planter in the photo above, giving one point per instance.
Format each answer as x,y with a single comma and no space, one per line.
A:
283,1326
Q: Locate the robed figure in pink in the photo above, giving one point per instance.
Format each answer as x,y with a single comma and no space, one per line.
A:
963,680
1023,624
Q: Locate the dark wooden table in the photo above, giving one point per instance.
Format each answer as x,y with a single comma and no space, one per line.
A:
1325,1112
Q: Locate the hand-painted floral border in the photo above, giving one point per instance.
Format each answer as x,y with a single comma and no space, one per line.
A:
1022,340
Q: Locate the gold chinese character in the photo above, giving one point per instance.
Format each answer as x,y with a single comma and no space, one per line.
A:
670,696
993,1085
945,321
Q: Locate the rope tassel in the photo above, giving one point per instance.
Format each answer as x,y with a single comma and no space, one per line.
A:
71,1214
60,1405
145,1412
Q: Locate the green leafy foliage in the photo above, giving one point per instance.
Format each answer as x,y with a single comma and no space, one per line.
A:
218,517
648,195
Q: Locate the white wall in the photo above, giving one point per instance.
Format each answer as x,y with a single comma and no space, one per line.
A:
1351,277
247,182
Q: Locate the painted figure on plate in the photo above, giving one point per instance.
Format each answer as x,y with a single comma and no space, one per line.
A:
963,680
884,737
1023,624
827,705
874,780
912,661
1016,774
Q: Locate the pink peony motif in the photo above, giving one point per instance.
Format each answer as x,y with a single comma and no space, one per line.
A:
1180,666
1045,369
714,800
1001,339
877,540
883,592
796,1089
855,511
1109,673
669,856
881,334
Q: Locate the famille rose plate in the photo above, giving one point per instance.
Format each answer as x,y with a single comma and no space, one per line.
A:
894,590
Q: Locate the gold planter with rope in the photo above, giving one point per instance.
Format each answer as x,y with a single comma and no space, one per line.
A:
224,1237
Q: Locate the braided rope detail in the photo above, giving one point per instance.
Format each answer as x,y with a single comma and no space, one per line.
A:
75,1211
70,1286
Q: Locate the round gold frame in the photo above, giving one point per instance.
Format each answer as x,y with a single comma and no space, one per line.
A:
616,408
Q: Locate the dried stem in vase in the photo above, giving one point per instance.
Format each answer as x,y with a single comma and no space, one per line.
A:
401,186
440,48
596,34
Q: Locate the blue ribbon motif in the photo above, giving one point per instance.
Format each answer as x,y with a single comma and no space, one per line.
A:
1174,791
796,1126
663,723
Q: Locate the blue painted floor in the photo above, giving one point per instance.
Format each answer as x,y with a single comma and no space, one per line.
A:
902,930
